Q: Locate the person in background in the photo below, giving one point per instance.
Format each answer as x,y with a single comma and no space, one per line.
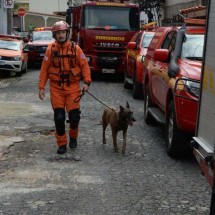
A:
64,64
31,27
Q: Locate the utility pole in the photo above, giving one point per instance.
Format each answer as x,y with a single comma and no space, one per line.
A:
6,21
3,19
9,21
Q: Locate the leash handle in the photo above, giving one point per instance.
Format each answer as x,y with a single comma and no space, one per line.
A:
78,98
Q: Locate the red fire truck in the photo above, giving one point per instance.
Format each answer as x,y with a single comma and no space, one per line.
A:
103,29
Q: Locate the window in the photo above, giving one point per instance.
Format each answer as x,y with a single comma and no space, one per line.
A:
10,45
138,39
192,47
42,35
167,40
147,39
117,18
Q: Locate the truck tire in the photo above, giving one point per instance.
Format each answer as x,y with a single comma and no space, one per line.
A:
149,120
176,140
137,89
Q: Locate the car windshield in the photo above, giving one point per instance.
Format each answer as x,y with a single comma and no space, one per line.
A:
146,40
192,47
42,35
10,45
107,18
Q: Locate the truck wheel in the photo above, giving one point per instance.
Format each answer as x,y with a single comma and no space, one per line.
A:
126,84
147,104
176,140
137,89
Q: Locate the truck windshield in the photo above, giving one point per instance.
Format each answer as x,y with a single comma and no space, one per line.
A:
192,47
42,35
111,18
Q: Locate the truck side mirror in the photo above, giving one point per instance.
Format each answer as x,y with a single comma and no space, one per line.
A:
132,45
161,55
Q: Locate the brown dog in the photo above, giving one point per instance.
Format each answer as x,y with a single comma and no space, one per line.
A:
118,120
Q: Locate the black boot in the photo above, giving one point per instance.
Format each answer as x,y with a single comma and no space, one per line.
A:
73,143
61,149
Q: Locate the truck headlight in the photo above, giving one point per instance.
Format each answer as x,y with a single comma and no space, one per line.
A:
192,87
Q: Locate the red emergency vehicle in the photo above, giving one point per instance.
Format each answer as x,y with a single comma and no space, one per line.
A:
103,29
135,54
172,71
38,42
204,141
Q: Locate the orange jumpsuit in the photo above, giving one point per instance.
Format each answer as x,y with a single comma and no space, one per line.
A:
64,65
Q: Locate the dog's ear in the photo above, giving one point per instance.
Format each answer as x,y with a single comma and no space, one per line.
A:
121,108
127,105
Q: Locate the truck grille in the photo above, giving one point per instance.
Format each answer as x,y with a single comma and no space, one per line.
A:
6,58
6,67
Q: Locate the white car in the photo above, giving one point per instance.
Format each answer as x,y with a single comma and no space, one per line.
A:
13,55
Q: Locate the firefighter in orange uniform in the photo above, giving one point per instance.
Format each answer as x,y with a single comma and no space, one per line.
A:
64,64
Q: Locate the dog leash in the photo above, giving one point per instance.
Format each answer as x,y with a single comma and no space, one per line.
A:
78,98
